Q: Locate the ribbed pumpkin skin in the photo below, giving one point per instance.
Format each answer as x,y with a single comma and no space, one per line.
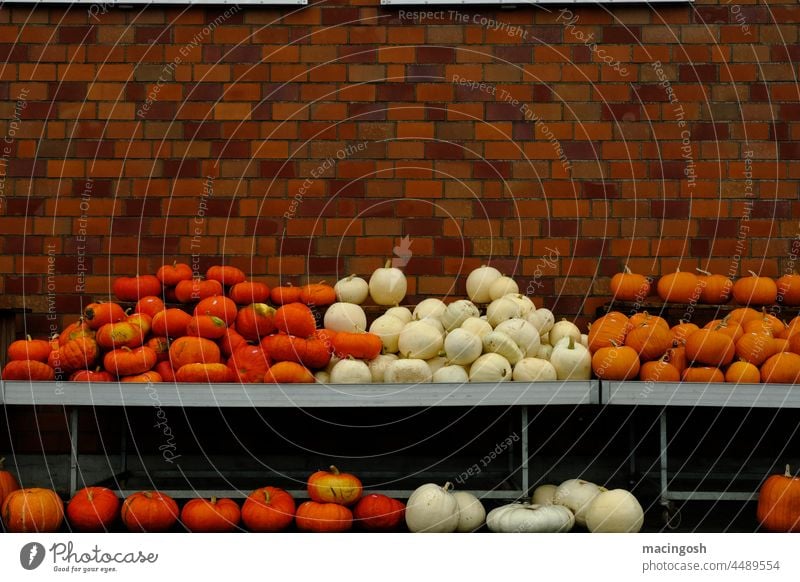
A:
149,511
32,510
779,503
710,347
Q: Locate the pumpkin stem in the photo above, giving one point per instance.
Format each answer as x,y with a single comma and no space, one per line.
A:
388,264
213,500
334,470
788,472
571,343
627,270
3,463
704,272
266,496
447,486
752,273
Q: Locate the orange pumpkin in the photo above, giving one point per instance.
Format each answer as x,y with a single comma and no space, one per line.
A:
755,290
682,330
295,319
288,373
317,294
286,294
207,326
782,368
789,289
164,369
29,349
173,274
77,354
649,341
99,314
211,515
96,375
732,329
160,345
710,347
149,305
8,482
113,336
781,345
76,330
323,517
679,287
130,362
376,512
249,364
312,352
268,509
149,511
195,289
791,330
33,510
255,321
742,315
714,289
219,306
249,292
768,323
677,357
616,363
703,374
28,370
134,288
93,509
227,275
755,348
230,341
171,323
608,330
149,377
779,503
333,486
193,350
362,345
206,373
638,319
628,286
742,373
659,371
142,320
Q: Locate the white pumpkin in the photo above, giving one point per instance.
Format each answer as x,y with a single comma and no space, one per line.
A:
430,307
462,347
419,339
433,322
524,334
571,360
350,371
471,513
490,368
476,325
525,518
334,360
388,328
564,329
345,317
479,281
457,313
525,303
502,286
435,363
534,370
432,509
499,343
407,371
352,289
452,374
377,366
585,340
387,285
502,309
542,319
543,494
544,352
402,313
615,511
577,495
322,377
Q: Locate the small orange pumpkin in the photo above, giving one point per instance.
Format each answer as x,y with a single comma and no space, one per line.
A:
149,305
8,482
295,319
704,374
230,341
160,345
779,503
96,375
227,274
679,287
608,330
33,510
742,373
683,330
710,347
29,349
249,364
362,345
782,368
638,319
28,370
249,292
93,509
149,377
149,511
195,289
76,330
268,509
288,373
206,373
171,322
164,369
130,362
286,294
134,288
113,336
317,294
714,289
255,321
677,357
333,486
755,348
789,289
193,350
659,371
742,315
650,341
99,314
207,326
173,274
77,354
616,363
211,515
323,517
755,290
220,306
628,286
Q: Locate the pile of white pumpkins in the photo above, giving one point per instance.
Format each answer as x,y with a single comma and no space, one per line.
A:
455,342
552,509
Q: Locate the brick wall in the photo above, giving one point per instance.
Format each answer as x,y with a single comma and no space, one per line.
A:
558,146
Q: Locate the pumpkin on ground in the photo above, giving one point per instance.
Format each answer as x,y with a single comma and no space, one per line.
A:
376,512
93,509
268,509
211,515
779,503
149,511
33,510
323,517
333,486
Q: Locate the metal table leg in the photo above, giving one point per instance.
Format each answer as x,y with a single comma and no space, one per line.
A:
73,451
525,468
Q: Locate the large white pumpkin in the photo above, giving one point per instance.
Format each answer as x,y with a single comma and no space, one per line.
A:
352,289
433,509
499,343
571,360
378,365
523,333
476,325
388,328
534,370
349,371
479,281
502,286
543,494
462,347
577,495
452,374
419,339
501,309
457,313
402,313
526,518
430,307
387,285
490,368
542,319
471,513
564,329
525,303
615,511
345,317
407,371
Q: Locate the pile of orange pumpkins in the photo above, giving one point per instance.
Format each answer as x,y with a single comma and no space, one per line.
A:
225,332
746,346
336,503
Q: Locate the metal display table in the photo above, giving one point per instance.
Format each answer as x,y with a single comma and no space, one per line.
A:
519,395
720,395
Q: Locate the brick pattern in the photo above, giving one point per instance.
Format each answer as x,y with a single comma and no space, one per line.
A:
329,133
